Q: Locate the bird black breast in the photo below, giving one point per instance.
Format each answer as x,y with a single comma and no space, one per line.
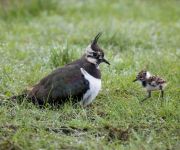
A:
144,83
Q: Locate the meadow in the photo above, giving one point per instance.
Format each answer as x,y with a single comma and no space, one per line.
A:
37,36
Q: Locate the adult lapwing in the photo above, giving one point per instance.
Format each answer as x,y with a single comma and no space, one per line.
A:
150,83
79,80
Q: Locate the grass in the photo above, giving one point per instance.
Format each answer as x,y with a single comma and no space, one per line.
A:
38,36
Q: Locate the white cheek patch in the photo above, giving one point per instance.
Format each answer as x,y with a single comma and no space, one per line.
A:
89,50
92,60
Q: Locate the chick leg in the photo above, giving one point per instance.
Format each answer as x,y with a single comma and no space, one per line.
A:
162,94
148,96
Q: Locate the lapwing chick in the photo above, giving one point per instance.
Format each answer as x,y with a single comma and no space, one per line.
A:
150,83
79,80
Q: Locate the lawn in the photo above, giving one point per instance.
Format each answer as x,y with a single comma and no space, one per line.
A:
37,36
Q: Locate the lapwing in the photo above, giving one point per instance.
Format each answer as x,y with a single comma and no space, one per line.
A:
150,83
79,81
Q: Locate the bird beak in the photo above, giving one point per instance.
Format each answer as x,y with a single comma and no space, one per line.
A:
105,61
135,80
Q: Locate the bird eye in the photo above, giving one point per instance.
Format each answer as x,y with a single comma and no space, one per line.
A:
95,54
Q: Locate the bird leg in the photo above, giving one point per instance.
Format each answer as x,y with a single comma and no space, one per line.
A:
162,94
148,96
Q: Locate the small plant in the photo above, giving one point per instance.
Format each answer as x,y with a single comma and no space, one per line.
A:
61,55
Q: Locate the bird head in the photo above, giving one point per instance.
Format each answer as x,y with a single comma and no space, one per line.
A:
94,54
142,76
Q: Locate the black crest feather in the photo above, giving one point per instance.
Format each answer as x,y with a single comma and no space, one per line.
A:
96,38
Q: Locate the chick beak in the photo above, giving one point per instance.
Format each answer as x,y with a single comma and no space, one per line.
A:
135,80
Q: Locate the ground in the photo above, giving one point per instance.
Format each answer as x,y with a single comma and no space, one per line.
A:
38,36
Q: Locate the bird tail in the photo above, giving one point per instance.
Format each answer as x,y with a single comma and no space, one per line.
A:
22,96
18,97
14,99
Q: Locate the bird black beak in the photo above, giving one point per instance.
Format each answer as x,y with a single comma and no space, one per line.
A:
105,61
135,80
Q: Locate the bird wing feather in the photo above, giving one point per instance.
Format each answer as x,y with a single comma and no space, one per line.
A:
61,84
155,80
